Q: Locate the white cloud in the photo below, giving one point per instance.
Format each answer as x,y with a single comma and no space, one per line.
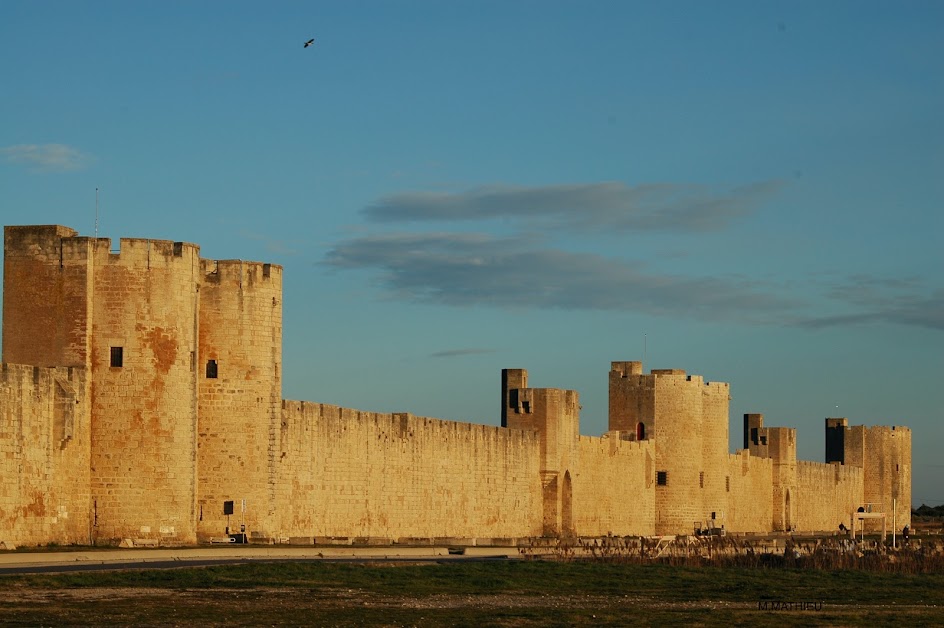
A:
47,157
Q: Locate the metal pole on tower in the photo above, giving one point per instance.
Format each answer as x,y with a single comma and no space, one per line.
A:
96,213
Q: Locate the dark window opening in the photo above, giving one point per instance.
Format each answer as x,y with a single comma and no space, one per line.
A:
662,478
117,356
701,479
526,407
727,483
211,369
640,431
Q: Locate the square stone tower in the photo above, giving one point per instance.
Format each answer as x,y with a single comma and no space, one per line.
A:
884,454
555,415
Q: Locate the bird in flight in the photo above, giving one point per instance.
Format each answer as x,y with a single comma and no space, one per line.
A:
308,43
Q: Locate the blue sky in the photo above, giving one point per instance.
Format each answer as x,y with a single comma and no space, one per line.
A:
750,191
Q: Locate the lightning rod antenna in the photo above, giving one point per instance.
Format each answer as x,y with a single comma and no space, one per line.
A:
96,213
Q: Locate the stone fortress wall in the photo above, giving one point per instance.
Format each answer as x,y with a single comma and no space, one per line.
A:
141,391
614,486
749,485
826,494
44,455
347,473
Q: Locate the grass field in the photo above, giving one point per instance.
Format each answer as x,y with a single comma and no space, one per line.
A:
492,593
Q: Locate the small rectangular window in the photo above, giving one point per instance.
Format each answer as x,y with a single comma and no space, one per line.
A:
662,478
117,356
727,483
211,369
701,479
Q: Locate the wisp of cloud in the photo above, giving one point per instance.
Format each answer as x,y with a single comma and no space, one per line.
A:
606,206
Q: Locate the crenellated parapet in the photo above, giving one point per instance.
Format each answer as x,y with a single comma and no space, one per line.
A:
240,273
144,254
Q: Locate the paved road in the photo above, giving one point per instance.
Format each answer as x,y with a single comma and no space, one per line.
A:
176,558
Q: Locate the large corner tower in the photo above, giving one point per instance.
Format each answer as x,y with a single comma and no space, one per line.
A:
145,321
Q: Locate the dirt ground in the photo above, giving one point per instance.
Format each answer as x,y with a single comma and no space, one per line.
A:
351,607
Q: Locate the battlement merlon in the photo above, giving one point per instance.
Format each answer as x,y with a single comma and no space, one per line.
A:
36,241
625,369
